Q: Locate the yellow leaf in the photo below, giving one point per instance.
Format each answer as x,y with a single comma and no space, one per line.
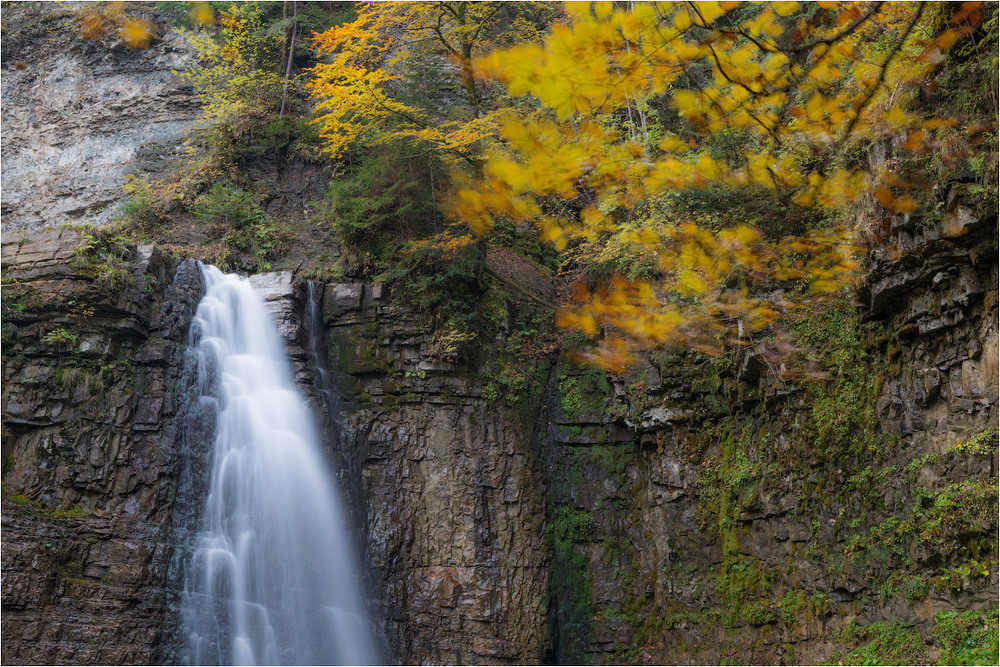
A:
710,11
897,117
202,13
692,284
603,9
685,101
674,145
682,20
785,8
136,33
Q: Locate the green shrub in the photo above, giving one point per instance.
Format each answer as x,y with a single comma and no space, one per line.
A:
386,199
142,210
229,205
244,224
441,276
105,259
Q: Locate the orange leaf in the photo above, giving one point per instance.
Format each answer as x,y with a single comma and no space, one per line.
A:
965,10
905,204
884,196
913,140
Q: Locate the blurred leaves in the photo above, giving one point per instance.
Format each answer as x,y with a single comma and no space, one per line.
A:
801,85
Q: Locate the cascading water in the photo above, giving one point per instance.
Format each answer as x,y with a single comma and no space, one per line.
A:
270,577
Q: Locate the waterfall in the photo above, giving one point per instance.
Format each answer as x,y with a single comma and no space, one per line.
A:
269,578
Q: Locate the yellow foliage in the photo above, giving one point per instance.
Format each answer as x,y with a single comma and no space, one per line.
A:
844,75
99,19
202,13
238,78
136,33
364,63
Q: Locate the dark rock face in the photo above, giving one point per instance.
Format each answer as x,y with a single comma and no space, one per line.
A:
938,290
729,519
716,518
89,448
453,505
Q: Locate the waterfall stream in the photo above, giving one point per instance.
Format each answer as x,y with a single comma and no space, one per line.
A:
270,578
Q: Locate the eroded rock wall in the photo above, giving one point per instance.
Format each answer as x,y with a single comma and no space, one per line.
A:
81,115
733,516
92,351
453,501
693,511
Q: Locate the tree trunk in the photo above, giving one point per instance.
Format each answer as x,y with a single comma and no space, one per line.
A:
291,55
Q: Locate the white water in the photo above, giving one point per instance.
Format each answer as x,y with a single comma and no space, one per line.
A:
271,578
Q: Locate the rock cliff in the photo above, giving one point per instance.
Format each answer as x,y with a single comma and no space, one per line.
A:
693,511
92,339
729,515
79,116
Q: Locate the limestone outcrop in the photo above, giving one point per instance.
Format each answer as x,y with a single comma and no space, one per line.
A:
79,116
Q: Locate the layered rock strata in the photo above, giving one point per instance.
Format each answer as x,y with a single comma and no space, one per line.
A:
732,515
452,500
689,512
79,116
92,345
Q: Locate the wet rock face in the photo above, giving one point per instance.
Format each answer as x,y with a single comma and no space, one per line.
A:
89,447
567,531
453,507
443,490
78,116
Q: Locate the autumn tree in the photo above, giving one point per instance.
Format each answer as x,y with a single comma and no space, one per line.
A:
403,70
805,89
239,78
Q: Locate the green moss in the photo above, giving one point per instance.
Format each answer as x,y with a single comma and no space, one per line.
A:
584,393
616,459
363,359
75,587
843,424
71,512
744,586
953,526
569,395
969,638
19,499
880,644
913,587
955,512
62,512
568,530
105,259
569,584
